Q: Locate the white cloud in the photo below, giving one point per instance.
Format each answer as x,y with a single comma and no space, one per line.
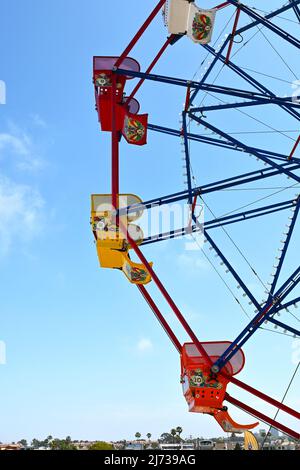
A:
144,344
20,213
2,92
38,120
18,144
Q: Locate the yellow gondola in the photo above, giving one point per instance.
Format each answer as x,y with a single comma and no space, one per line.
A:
111,243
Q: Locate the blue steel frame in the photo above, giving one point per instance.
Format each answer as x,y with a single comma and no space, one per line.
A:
296,10
276,164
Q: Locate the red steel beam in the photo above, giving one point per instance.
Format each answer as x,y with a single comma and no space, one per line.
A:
166,295
262,396
294,148
160,317
222,5
187,99
262,417
114,149
140,32
192,211
235,25
153,63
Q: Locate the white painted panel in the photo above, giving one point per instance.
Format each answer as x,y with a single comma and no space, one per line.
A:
178,11
200,24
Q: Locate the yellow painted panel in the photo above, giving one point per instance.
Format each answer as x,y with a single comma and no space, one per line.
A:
136,273
250,441
109,258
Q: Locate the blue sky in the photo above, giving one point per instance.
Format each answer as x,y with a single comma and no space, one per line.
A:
85,356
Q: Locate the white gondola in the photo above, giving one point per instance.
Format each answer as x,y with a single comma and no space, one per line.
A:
176,16
185,17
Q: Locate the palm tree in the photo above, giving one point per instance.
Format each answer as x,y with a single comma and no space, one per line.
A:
173,432
149,435
165,438
179,431
35,443
23,443
137,435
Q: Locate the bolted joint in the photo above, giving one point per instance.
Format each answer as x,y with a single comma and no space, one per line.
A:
215,369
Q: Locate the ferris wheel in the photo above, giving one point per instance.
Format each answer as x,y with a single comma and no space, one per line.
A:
225,33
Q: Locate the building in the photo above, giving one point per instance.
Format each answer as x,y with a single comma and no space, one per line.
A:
134,446
177,446
10,447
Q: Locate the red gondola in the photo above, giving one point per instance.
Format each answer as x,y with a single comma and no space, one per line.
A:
109,94
205,391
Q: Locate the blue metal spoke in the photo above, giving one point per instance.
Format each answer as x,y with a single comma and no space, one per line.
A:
284,326
210,68
296,9
243,104
285,103
264,20
209,188
159,78
244,179
285,247
248,78
273,14
176,233
289,285
229,267
220,222
262,98
288,304
218,142
245,147
264,313
253,213
205,189
207,87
